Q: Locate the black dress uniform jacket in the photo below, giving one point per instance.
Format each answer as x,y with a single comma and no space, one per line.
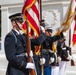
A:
47,45
62,50
16,65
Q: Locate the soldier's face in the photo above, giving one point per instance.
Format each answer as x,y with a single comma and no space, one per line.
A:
48,33
19,24
15,23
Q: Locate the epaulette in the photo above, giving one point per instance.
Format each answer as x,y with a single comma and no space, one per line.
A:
10,33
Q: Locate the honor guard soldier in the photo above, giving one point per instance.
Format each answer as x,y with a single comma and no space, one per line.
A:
63,53
39,60
15,50
48,53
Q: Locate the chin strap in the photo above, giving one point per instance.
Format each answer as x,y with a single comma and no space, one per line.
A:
17,25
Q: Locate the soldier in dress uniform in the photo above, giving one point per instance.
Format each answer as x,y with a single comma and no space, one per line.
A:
15,51
63,52
48,53
52,53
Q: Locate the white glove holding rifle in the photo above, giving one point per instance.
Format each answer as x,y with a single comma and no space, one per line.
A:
59,58
31,54
69,56
42,61
30,65
52,59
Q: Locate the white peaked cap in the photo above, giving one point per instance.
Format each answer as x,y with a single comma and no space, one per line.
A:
64,33
48,27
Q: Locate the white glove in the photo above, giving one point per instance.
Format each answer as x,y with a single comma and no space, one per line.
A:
31,54
69,57
42,61
59,59
52,59
30,66
42,29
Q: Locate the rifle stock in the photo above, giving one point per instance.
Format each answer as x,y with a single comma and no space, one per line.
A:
32,71
72,62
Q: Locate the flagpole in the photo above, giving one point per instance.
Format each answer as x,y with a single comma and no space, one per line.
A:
28,48
42,67
72,61
40,10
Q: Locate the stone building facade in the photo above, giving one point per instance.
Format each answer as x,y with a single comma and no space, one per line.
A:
53,12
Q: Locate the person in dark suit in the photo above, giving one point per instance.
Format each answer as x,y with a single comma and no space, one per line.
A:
15,50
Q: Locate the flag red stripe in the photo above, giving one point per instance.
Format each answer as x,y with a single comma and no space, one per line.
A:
35,10
74,37
74,33
32,21
26,4
31,15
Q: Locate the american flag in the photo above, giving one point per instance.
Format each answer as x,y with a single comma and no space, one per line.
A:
31,12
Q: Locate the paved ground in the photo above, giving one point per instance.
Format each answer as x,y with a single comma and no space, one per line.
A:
71,70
